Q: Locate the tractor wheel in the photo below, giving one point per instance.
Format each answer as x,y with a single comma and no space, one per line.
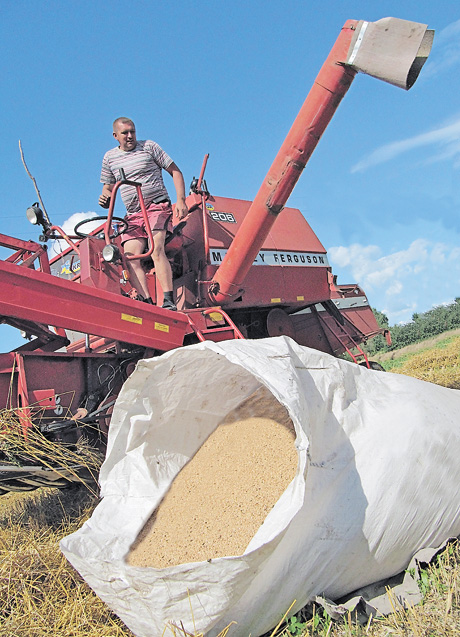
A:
373,365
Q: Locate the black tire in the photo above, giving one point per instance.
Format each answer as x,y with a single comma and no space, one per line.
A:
373,365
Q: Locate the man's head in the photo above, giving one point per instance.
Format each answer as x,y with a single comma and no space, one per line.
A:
124,132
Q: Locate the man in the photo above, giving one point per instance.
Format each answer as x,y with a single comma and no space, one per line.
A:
143,162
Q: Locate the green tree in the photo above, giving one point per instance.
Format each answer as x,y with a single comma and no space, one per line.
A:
382,319
378,344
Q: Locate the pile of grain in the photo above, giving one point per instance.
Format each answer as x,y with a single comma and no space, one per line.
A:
221,497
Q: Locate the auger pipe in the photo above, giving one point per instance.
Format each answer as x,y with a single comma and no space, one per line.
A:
355,50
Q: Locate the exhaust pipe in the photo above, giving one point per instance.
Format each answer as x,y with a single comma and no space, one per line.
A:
391,50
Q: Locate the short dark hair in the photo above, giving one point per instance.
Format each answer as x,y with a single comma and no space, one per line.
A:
123,120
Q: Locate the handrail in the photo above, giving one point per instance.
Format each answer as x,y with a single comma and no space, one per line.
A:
66,238
108,223
205,311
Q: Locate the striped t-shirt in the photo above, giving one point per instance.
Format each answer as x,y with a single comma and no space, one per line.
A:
142,164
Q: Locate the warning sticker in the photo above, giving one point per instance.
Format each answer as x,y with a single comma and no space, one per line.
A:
216,317
161,327
131,319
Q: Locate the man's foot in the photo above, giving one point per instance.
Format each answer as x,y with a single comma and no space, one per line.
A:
169,305
168,301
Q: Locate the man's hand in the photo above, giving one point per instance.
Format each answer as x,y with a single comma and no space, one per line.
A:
180,209
104,200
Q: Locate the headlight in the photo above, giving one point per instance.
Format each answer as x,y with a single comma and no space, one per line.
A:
110,253
34,214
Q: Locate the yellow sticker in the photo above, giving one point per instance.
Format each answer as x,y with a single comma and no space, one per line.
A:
131,319
215,316
301,298
161,327
276,300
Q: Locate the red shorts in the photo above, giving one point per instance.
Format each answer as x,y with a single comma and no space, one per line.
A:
159,216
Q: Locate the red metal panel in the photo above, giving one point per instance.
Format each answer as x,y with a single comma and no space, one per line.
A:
354,305
277,285
290,230
22,399
96,272
363,319
29,294
7,382
58,374
310,333
56,383
295,286
44,398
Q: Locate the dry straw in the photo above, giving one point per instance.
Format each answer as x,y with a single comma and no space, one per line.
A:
40,593
78,462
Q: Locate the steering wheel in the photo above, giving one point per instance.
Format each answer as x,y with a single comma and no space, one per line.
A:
83,235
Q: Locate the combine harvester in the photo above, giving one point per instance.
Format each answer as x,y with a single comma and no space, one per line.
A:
241,270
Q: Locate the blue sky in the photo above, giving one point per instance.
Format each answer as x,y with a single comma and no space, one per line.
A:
381,191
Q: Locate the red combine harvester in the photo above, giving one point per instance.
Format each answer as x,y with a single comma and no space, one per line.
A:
241,270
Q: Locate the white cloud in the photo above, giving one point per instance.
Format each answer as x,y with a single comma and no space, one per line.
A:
355,254
403,282
399,317
373,270
454,255
445,52
69,225
446,139
396,288
451,31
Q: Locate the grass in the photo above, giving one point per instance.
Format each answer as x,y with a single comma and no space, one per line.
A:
439,364
437,616
41,594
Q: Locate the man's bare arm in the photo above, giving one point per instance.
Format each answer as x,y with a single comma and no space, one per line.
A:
104,199
181,209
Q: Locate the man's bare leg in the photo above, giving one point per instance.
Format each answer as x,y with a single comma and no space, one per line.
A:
162,266
163,270
137,274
